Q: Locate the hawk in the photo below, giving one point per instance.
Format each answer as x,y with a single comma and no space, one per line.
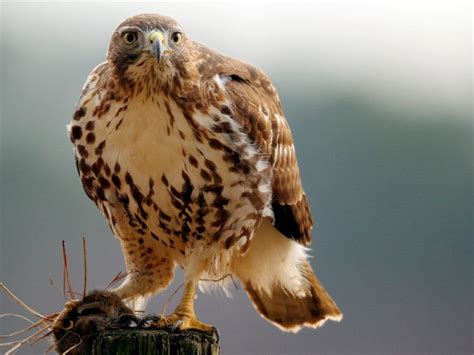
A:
188,155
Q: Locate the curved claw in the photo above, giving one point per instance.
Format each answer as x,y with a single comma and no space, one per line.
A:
216,332
145,321
177,326
127,320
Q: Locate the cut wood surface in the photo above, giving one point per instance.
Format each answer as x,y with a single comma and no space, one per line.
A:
152,342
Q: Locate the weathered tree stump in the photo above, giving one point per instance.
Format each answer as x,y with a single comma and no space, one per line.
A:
152,342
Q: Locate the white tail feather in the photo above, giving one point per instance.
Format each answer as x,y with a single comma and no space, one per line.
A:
272,259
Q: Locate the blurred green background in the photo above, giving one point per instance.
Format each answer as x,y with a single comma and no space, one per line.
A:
378,95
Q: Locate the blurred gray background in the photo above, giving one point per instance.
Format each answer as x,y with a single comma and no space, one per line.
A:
378,95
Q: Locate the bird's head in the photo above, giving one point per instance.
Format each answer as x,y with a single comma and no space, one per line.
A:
148,47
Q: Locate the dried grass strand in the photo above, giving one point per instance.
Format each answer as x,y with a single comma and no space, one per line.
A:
15,315
84,257
72,348
163,309
39,339
221,279
119,277
19,343
53,284
20,302
30,327
66,273
56,343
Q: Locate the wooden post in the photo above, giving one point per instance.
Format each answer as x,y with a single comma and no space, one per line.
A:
151,342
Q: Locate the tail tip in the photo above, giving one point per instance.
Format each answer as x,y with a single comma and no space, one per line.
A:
297,327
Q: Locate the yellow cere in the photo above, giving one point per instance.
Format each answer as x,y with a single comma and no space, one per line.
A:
153,36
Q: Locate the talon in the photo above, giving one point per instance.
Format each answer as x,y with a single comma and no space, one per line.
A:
216,333
127,320
176,326
149,318
182,323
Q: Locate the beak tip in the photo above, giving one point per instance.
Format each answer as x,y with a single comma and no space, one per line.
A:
156,50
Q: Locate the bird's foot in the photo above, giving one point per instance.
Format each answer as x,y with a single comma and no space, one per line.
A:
150,320
182,322
177,322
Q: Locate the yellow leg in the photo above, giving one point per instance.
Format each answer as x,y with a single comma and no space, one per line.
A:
183,317
186,306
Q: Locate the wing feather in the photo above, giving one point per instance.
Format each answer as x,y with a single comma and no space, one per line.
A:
256,107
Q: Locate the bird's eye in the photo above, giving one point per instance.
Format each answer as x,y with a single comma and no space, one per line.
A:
176,37
130,38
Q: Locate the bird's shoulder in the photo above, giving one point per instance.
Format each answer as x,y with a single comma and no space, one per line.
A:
97,79
214,63
99,93
255,105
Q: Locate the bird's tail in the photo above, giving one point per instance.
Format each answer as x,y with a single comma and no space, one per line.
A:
281,283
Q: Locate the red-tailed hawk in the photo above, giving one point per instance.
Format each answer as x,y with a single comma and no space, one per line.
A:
188,155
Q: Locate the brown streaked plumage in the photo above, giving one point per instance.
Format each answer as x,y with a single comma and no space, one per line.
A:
188,155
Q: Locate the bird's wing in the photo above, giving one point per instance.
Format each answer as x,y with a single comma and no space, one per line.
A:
256,107
86,111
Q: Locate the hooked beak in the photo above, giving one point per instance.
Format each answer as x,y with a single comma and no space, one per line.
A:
157,44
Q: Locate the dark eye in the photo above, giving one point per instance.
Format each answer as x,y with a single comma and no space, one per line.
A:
176,37
130,38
